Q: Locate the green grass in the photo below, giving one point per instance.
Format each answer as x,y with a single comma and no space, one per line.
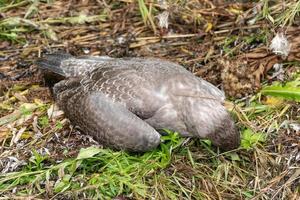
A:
146,14
111,172
233,43
104,174
280,15
14,28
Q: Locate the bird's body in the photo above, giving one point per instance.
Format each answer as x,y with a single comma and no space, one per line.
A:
123,103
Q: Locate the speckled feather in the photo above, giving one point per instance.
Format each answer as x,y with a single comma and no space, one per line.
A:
124,102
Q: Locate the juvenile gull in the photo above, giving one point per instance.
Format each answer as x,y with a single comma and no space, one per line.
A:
125,103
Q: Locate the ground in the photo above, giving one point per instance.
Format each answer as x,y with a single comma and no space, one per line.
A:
42,156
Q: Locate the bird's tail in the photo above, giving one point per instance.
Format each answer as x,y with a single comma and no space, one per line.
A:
52,62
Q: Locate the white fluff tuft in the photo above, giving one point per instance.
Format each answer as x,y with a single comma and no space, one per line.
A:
280,45
163,3
163,20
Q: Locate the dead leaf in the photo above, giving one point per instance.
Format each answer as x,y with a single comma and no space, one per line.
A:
54,112
17,136
4,132
273,101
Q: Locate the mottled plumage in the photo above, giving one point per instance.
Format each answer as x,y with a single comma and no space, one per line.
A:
124,103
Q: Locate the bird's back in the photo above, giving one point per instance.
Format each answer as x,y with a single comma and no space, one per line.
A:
153,71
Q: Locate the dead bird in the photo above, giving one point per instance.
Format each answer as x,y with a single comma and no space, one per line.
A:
125,103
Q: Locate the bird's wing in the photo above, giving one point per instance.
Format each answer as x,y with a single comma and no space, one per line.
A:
108,122
78,66
188,85
210,89
163,71
124,85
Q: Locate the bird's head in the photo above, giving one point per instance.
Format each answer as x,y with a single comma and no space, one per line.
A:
209,119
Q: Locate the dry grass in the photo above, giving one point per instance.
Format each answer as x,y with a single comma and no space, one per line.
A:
39,149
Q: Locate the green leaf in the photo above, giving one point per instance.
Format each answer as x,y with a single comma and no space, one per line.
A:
234,156
32,10
88,152
295,83
43,121
290,91
250,139
63,184
80,19
248,194
58,125
207,142
11,22
50,33
9,36
27,108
